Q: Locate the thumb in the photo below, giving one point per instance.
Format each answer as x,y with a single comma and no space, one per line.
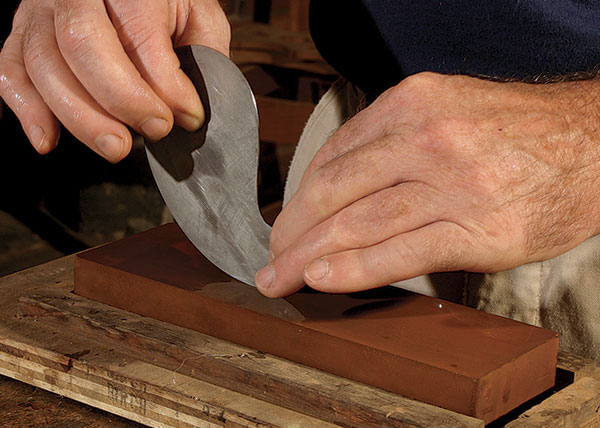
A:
203,23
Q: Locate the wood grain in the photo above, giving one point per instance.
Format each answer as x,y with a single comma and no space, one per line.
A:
23,405
427,349
108,362
105,357
574,406
67,363
260,375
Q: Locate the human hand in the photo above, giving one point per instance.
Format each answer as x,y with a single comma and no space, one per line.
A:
101,66
443,173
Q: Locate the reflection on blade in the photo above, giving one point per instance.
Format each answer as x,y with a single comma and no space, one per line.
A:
209,178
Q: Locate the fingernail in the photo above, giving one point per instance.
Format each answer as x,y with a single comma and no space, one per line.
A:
317,270
155,128
110,145
189,122
265,277
37,137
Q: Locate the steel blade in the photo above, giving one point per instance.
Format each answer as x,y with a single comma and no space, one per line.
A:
208,179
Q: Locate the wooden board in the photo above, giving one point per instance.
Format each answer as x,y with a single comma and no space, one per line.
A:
163,375
24,405
427,349
574,406
53,321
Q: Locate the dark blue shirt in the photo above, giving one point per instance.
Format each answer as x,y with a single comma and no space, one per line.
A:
376,43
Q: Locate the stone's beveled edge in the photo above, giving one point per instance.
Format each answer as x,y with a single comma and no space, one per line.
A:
519,380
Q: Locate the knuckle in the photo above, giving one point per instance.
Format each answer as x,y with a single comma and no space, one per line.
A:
74,38
212,11
446,135
421,81
122,100
11,72
439,257
417,89
140,40
447,127
392,207
31,28
5,60
222,22
450,251
404,251
320,158
226,32
344,230
319,192
370,268
34,50
34,54
209,22
209,9
135,29
75,30
276,239
23,12
7,73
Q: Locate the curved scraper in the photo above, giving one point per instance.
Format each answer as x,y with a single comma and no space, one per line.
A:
209,178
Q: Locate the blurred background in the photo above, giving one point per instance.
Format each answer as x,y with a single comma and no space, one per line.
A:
71,199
